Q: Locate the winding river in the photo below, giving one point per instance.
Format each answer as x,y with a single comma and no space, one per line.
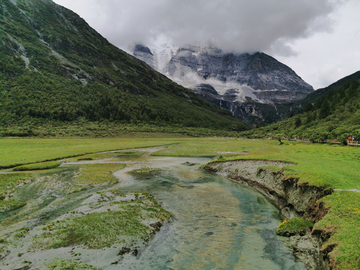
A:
219,224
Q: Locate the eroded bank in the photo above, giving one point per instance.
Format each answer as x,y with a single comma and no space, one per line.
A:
290,197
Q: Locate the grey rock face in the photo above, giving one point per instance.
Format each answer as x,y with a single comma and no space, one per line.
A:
259,71
144,53
246,84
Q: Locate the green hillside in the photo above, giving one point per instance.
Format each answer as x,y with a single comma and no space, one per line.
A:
55,70
314,96
332,113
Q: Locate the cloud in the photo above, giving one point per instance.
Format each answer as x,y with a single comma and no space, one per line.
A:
232,25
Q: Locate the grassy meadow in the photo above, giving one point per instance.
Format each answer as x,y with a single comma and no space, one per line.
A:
332,166
15,152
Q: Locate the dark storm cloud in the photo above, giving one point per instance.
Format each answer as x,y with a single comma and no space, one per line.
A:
233,25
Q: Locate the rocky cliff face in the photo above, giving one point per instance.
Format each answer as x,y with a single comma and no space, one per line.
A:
249,85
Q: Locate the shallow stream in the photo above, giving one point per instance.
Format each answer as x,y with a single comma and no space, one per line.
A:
218,224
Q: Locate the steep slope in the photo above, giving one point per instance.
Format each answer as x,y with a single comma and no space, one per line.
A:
314,96
251,86
55,67
333,113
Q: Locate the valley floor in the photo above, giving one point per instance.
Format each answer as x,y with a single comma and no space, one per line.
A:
331,167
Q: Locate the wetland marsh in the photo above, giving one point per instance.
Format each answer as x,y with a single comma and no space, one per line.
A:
191,220
163,210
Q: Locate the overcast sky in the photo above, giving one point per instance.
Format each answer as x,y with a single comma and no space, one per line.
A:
318,39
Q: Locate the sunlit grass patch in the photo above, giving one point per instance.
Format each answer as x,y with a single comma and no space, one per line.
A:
69,265
95,174
195,147
343,219
16,152
38,166
294,226
107,155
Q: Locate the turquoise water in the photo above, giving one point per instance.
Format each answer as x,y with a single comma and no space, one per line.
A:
219,224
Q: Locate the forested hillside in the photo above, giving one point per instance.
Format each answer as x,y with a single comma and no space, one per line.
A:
304,104
332,113
54,68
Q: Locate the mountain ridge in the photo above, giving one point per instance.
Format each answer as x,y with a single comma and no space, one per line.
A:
254,80
55,67
333,114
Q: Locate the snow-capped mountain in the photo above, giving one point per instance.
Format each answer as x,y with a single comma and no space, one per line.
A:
246,84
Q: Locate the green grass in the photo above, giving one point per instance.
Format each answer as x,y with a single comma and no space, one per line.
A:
271,168
96,156
332,113
332,166
10,180
99,230
127,153
38,166
74,189
21,233
93,231
10,205
95,174
7,182
15,152
343,220
294,226
59,264
122,91
319,164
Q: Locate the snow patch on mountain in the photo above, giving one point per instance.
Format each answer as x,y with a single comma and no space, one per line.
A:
163,55
236,78
190,66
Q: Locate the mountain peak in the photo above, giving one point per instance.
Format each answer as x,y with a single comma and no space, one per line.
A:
256,77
